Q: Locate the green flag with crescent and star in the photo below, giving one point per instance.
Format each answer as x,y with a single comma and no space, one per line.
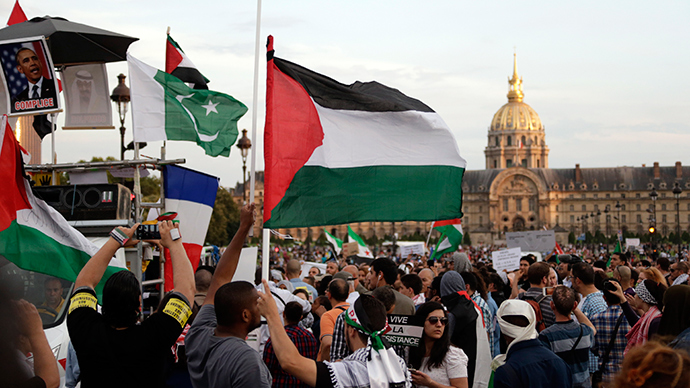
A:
165,108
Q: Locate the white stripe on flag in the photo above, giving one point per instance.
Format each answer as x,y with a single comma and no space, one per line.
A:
148,106
194,219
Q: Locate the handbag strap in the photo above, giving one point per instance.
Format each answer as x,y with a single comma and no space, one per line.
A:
605,358
578,339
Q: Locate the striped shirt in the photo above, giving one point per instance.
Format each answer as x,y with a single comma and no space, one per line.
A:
561,337
536,294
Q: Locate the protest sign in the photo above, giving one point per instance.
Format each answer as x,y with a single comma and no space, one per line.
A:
632,242
508,259
405,330
535,240
87,97
411,247
350,249
246,266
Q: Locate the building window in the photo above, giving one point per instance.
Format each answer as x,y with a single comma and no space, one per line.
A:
556,207
505,205
495,163
622,195
509,163
608,196
584,208
556,220
596,207
524,162
639,218
481,209
481,220
584,196
622,207
510,141
497,141
663,206
571,196
523,141
518,204
623,219
538,164
637,207
663,218
572,219
663,195
533,205
637,195
596,195
572,208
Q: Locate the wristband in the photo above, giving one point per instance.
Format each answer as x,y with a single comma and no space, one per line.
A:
175,234
119,236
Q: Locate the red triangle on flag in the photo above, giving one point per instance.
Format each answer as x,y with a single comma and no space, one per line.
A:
17,16
13,196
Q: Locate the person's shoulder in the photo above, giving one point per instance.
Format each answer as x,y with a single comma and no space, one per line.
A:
456,353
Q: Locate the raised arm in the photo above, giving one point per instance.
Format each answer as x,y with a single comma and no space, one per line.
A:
582,318
183,273
228,263
287,354
94,269
45,365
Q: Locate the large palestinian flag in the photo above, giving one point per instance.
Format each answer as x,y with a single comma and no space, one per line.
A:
336,153
33,235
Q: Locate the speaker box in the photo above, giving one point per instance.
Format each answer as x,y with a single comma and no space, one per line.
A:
88,202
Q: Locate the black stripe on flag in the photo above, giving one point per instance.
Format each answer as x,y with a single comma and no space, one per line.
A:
190,75
362,96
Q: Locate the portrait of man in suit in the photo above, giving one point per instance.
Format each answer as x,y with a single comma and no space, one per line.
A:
40,91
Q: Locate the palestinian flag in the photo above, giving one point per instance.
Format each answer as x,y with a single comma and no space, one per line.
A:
165,108
335,242
33,235
451,237
336,153
177,64
364,251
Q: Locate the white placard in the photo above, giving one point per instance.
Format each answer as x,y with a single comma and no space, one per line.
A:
415,248
507,259
246,267
632,242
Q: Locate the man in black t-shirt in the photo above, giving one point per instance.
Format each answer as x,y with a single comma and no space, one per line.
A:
112,349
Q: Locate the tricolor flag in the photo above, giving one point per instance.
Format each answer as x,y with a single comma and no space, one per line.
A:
335,242
451,237
165,108
364,251
177,64
336,153
191,195
33,235
558,249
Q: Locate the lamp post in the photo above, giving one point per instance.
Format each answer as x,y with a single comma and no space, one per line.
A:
618,209
607,209
120,96
653,195
676,193
244,144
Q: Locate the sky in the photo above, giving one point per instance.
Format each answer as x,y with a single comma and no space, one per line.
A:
609,80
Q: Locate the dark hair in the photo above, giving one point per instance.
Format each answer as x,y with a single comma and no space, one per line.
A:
413,281
584,272
121,294
663,263
537,272
16,55
634,275
600,264
323,301
529,259
622,256
599,278
436,283
323,284
564,300
202,279
676,317
385,295
376,312
387,267
339,289
301,291
657,290
231,300
609,296
497,281
645,263
440,347
293,312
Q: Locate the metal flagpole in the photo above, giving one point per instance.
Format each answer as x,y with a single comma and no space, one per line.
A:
53,156
266,238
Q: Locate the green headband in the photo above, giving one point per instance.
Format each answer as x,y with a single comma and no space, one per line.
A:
353,320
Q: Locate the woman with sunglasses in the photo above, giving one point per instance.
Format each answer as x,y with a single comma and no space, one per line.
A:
437,363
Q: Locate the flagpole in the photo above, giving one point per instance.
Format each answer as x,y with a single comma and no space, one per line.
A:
266,238
53,156
431,229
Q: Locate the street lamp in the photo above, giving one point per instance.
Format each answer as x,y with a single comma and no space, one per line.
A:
618,209
653,195
676,193
120,96
244,144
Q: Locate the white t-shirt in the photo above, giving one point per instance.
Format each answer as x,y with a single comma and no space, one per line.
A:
454,367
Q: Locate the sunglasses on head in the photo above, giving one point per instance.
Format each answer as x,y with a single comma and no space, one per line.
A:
435,320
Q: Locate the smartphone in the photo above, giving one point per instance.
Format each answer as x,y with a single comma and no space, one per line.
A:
148,232
412,370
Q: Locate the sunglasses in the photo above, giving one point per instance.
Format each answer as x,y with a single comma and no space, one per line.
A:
435,320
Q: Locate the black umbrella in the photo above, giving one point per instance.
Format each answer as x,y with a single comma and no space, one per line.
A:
72,43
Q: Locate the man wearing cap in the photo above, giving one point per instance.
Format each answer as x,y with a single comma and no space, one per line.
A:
372,363
527,363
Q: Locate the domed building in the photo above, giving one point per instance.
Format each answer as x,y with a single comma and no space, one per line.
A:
516,134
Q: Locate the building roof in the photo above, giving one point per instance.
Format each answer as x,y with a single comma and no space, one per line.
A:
591,179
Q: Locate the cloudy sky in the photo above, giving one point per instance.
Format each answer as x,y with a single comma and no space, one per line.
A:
610,80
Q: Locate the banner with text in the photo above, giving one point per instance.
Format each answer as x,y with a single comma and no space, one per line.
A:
507,259
404,330
532,241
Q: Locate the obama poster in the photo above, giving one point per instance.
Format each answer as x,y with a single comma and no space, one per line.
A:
28,77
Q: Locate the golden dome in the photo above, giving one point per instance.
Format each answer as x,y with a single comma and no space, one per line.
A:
516,115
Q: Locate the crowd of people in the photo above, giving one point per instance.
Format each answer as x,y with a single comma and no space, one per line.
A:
610,321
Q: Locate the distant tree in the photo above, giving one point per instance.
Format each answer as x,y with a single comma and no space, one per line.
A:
685,236
225,219
321,241
571,238
466,240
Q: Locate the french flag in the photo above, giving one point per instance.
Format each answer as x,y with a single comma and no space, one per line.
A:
191,194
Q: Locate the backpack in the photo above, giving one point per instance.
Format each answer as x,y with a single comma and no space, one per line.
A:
535,303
